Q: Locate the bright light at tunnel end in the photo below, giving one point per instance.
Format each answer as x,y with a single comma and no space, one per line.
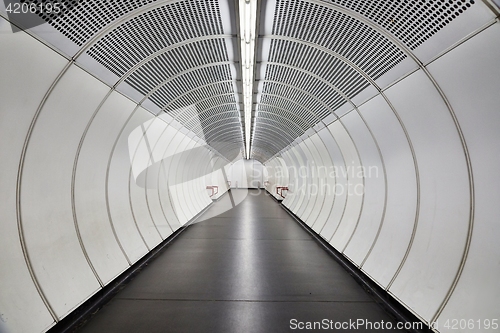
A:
248,21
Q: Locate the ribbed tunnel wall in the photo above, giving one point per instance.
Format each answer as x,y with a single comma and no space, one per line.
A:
400,174
403,185
93,180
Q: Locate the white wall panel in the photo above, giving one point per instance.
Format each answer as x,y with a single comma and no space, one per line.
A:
90,188
312,191
294,180
153,185
321,172
165,198
177,202
353,189
238,174
249,173
333,202
281,177
140,142
257,174
307,197
140,150
56,255
274,176
294,202
294,162
216,178
213,176
28,69
277,172
341,183
246,174
284,175
200,192
211,168
473,67
440,237
166,194
399,219
374,188
181,168
326,146
159,195
201,169
187,186
118,190
194,168
272,172
174,181
299,168
193,172
304,155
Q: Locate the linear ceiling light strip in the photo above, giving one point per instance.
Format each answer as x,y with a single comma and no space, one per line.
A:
248,20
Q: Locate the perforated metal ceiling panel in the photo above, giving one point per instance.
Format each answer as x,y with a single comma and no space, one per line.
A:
176,86
413,22
175,54
175,61
147,33
84,18
166,56
317,57
322,26
320,54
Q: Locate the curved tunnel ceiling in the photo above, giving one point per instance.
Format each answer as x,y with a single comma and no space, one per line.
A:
316,60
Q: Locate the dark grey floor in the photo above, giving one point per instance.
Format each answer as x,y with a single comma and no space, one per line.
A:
251,268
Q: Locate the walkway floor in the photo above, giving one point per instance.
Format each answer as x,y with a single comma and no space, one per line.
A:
247,269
